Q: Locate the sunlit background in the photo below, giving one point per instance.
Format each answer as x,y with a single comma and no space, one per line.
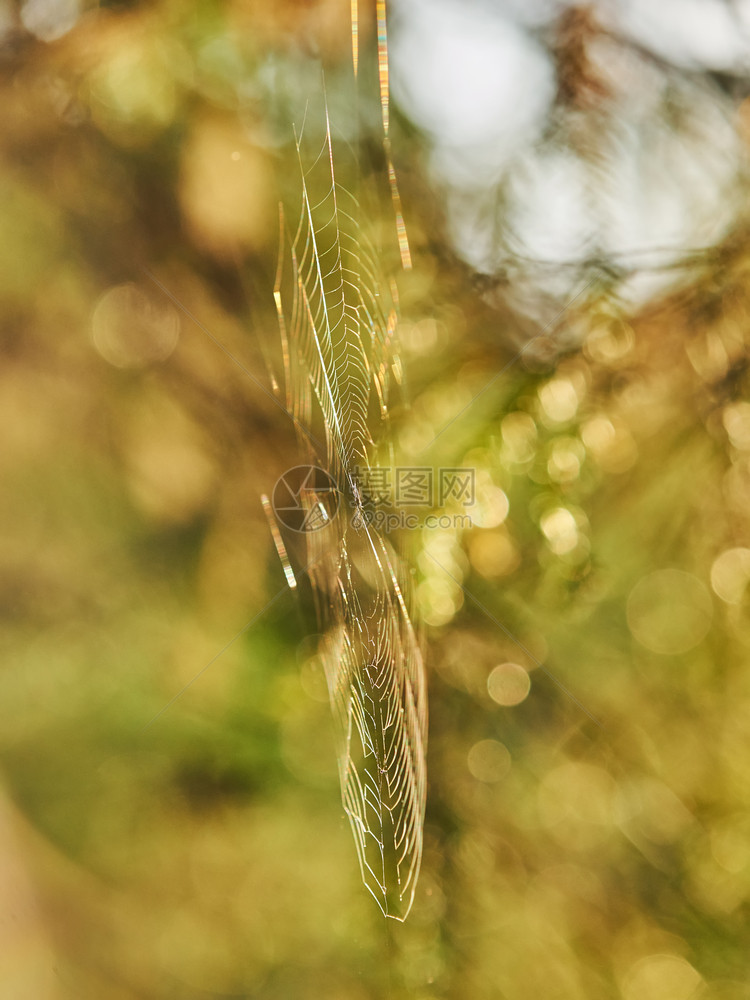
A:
575,328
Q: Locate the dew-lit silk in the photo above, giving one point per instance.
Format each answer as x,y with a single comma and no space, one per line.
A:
338,329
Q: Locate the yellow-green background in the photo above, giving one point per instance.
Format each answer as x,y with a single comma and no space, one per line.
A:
201,851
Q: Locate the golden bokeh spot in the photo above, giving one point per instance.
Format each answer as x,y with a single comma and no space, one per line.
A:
131,328
730,845
493,554
508,684
730,574
669,611
443,555
171,475
519,436
420,337
610,443
313,679
565,459
610,343
576,801
648,808
708,355
416,435
489,761
132,91
49,20
227,199
560,529
491,506
439,599
558,401
736,419
661,977
736,484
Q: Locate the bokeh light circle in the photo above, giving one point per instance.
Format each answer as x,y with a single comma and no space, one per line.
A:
508,684
669,611
132,329
489,761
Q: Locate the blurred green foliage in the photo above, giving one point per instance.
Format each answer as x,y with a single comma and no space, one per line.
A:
170,819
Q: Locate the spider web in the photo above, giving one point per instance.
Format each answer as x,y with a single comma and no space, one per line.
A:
338,343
